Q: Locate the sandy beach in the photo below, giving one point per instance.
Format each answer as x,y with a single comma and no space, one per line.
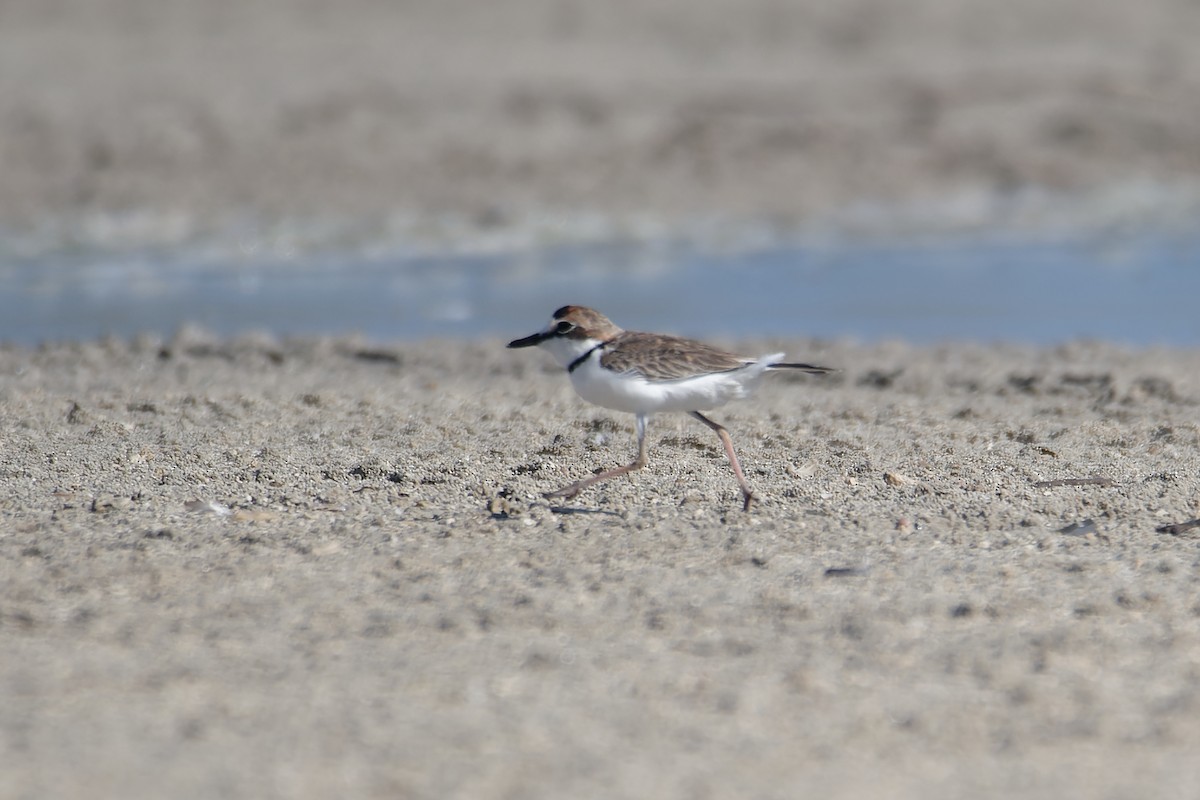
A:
263,567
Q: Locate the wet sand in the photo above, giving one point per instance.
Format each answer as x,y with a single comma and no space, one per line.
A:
261,568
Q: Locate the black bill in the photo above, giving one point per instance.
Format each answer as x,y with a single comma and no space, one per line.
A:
531,341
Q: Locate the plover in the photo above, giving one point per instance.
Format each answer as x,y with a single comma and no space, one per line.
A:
644,373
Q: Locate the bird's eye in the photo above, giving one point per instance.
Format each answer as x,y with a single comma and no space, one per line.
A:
564,327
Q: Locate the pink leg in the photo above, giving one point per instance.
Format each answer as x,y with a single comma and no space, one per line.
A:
567,492
737,468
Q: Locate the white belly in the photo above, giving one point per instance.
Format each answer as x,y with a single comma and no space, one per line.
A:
637,395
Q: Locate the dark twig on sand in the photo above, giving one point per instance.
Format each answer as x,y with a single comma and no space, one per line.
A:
1094,480
1179,527
846,572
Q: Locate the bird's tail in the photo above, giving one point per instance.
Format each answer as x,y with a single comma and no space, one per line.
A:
811,369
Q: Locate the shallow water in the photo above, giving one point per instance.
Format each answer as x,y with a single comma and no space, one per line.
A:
1135,289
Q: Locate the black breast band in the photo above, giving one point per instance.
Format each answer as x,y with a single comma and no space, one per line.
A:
571,367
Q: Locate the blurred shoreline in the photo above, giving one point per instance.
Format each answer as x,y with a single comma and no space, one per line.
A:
169,163
1128,288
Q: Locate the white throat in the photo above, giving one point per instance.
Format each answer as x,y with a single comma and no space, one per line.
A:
566,350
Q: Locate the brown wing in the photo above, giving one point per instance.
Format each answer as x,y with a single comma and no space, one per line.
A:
666,358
